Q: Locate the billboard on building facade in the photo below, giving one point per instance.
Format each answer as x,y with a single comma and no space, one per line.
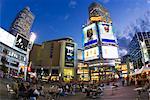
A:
91,54
21,43
90,35
105,28
69,55
109,52
108,38
6,38
144,52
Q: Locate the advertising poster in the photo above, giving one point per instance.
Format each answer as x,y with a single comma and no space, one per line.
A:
69,55
109,52
105,28
90,35
21,43
144,52
108,38
91,54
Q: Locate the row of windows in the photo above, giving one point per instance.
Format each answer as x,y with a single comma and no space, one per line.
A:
13,54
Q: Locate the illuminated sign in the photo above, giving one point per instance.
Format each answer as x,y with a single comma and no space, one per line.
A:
69,55
108,38
144,52
105,28
92,53
110,52
21,43
96,18
90,35
6,38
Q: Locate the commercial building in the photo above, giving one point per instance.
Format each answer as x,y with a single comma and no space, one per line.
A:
55,58
82,68
22,23
15,53
100,45
139,49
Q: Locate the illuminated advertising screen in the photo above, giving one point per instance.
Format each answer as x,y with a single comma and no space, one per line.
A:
109,52
90,35
91,54
107,38
6,38
69,55
144,52
105,28
21,43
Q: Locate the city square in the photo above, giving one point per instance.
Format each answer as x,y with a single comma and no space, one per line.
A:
75,50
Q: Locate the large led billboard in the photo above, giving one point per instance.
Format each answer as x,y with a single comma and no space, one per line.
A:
69,55
108,38
90,35
109,52
105,28
6,38
21,43
91,54
144,52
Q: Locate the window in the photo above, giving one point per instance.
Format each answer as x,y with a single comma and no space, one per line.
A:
145,35
148,33
22,58
147,43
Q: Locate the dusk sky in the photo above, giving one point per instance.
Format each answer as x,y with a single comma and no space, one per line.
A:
60,18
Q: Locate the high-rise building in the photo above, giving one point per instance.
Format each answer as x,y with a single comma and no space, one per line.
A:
139,49
57,59
100,44
22,23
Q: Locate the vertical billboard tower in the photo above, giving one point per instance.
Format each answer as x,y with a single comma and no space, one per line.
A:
99,42
22,23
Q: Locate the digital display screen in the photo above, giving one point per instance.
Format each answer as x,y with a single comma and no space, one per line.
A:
90,35
69,55
21,43
91,54
108,38
110,52
105,28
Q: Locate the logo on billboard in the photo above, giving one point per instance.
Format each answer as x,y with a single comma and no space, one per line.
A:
90,35
105,28
21,43
69,55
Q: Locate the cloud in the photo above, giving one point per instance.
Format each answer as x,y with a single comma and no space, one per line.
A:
105,1
148,1
122,52
66,17
72,4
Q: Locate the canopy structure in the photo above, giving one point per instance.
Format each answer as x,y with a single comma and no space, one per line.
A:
142,70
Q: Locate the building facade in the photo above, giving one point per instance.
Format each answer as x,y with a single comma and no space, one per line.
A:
100,45
22,23
16,58
139,49
56,58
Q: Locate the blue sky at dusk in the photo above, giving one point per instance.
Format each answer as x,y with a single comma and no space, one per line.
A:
60,18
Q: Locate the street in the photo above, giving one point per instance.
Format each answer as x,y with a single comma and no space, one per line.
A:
121,93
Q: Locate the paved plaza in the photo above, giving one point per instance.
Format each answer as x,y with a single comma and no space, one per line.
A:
121,93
